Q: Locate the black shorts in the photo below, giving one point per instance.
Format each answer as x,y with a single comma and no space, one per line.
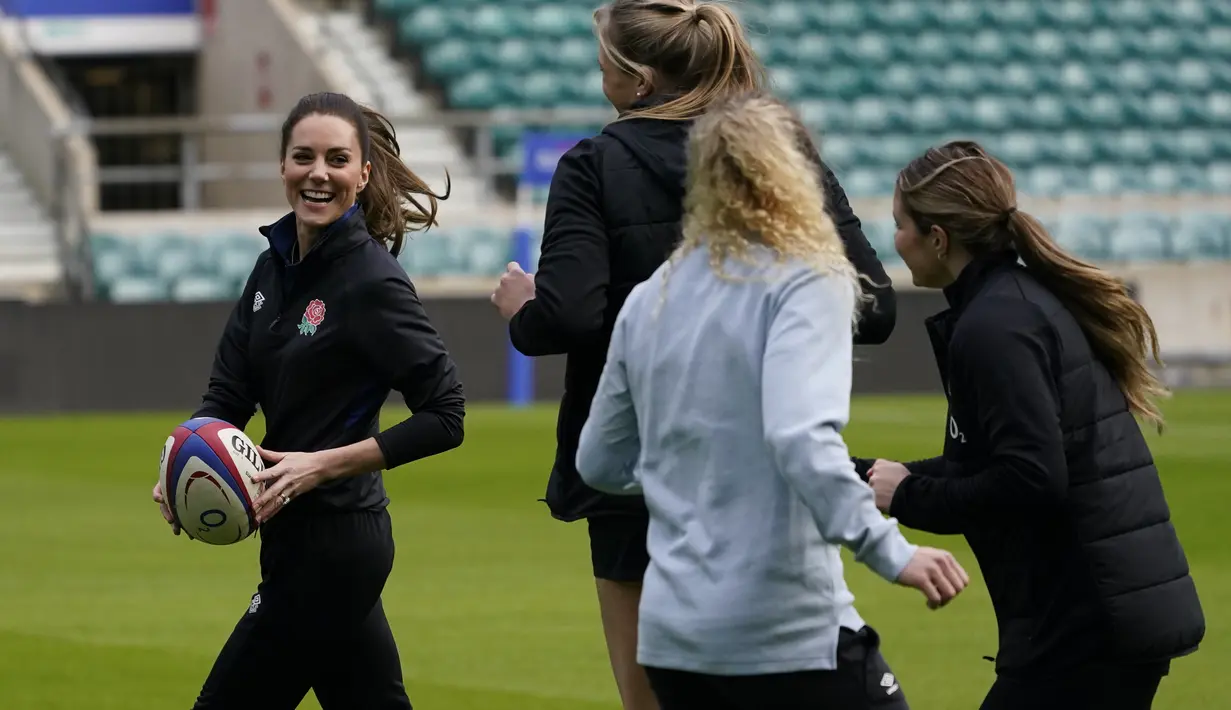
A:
316,621
618,547
1091,687
862,681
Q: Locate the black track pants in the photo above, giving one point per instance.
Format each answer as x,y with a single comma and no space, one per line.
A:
862,681
316,621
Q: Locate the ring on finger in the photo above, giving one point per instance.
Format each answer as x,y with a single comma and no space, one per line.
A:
286,498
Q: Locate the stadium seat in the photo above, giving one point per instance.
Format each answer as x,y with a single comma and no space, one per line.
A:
426,24
1088,236
202,288
1067,13
453,58
1142,236
880,235
1218,178
1203,236
136,289
898,15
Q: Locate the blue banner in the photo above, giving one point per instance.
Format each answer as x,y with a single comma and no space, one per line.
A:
96,8
520,367
541,153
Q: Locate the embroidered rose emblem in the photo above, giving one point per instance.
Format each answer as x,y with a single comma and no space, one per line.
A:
312,317
315,313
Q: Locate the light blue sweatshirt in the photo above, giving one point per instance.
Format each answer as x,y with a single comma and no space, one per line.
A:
723,402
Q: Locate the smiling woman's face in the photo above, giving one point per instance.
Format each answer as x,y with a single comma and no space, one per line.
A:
323,170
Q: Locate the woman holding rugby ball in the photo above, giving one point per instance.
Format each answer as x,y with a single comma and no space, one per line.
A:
328,324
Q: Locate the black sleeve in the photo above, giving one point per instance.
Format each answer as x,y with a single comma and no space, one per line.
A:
1002,368
934,467
231,395
405,352
923,467
570,283
879,315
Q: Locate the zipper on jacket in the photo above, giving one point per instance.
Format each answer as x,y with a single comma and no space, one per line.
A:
287,274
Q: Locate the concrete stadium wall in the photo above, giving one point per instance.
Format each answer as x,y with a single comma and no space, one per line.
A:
107,357
1190,305
253,61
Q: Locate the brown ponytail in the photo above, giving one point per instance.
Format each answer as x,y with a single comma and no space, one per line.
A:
971,195
1120,330
389,202
695,51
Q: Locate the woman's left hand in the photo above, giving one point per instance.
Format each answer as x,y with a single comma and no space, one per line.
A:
515,289
291,475
885,477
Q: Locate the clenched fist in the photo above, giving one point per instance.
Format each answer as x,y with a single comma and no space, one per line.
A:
935,573
515,288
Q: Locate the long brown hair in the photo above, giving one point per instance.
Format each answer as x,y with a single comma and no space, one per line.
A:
971,195
697,50
751,182
390,201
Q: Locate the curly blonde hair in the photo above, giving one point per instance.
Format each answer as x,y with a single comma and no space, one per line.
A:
753,179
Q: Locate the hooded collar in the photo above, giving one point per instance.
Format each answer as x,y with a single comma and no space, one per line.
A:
657,145
350,230
968,283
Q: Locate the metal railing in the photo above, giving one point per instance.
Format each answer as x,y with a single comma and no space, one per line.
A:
64,174
196,127
60,163
58,167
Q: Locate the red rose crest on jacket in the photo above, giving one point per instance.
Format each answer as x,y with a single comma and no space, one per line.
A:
312,317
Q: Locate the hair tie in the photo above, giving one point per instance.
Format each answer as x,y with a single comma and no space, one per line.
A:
1008,215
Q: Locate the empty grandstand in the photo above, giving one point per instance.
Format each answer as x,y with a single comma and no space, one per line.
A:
1113,116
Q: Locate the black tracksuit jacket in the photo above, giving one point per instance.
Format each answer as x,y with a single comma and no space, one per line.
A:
613,217
1047,474
318,345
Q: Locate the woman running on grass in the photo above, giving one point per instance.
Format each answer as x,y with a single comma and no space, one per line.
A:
722,401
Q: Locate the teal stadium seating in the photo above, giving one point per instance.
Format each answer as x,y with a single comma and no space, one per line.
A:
1080,98
208,267
213,267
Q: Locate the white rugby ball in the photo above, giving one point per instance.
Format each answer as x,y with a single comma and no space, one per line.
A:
206,477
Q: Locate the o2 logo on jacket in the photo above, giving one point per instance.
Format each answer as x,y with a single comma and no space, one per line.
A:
955,433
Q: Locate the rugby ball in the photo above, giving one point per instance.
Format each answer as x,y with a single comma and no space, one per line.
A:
206,477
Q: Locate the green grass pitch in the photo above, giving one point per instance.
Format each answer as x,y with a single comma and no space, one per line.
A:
491,600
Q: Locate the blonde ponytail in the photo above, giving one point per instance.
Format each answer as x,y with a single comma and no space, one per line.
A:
695,51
